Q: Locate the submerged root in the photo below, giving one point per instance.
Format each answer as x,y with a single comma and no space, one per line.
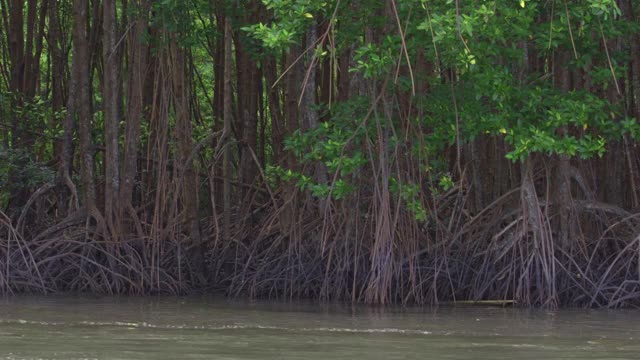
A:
69,257
506,251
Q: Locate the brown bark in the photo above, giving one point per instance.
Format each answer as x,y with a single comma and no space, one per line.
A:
541,244
188,179
275,108
81,72
56,51
218,71
635,68
631,153
34,69
344,64
326,83
307,107
227,113
16,47
138,57
29,43
293,81
24,51
184,139
249,77
59,95
111,102
561,177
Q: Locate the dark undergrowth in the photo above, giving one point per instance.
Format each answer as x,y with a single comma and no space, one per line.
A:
379,255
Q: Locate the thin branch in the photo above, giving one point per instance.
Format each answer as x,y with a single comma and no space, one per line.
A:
404,46
573,44
606,50
321,38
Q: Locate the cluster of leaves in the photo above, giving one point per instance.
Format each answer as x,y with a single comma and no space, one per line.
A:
19,171
336,144
291,18
544,114
487,45
182,19
373,61
337,190
532,114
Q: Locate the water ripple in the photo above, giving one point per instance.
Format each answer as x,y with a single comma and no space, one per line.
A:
216,327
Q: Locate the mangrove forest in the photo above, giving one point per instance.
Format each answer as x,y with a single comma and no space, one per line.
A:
359,151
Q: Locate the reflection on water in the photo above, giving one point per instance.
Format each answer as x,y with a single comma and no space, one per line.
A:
206,328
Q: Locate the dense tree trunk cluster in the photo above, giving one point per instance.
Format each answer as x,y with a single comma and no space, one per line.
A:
389,151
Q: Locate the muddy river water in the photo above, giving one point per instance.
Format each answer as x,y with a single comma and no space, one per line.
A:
55,327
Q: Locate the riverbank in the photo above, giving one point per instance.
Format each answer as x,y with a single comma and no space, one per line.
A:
473,263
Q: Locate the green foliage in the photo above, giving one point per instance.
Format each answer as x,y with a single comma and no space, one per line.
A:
38,122
34,119
292,17
334,143
410,194
485,45
19,171
373,61
338,190
327,143
182,19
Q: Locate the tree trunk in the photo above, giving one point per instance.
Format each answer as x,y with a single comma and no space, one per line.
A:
275,108
307,107
138,51
16,56
562,178
69,127
111,102
58,95
539,279
248,98
184,139
227,113
81,72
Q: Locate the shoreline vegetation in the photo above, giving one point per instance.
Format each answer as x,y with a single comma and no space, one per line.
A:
379,152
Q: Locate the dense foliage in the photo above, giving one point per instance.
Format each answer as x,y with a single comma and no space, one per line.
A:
406,151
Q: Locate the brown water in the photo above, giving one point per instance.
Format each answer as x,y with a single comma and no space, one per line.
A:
204,328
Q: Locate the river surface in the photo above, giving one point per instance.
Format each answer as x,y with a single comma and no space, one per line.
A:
209,328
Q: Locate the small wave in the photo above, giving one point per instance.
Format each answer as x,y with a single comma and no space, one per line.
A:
219,327
371,331
523,346
31,322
